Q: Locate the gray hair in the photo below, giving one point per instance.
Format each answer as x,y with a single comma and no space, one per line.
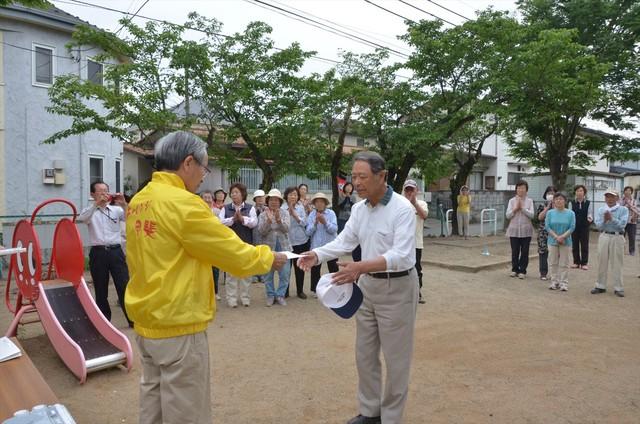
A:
375,161
171,150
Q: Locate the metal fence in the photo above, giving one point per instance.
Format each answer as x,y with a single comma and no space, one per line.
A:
252,178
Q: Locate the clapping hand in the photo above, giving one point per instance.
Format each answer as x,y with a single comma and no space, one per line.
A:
607,216
237,217
320,219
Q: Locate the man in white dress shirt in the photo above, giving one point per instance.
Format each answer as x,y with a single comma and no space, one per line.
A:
106,254
384,226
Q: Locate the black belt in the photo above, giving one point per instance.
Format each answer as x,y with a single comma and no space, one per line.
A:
109,247
389,274
614,233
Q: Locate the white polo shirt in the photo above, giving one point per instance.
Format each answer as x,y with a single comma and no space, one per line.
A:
104,224
386,229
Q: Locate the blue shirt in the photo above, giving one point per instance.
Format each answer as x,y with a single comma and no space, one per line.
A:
560,223
297,234
322,234
619,218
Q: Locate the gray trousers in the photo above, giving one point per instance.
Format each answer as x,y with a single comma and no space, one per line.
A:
175,386
385,322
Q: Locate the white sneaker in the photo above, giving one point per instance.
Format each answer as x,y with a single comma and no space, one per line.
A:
281,301
554,286
564,287
521,276
513,274
218,297
315,296
270,300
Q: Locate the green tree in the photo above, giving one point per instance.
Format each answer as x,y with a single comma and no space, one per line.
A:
553,83
458,68
140,74
255,91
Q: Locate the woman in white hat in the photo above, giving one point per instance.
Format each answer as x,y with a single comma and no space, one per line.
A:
273,225
322,227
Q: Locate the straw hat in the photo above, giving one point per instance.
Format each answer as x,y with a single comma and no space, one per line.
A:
274,192
612,192
320,195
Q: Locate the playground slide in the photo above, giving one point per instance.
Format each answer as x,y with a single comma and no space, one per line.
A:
82,337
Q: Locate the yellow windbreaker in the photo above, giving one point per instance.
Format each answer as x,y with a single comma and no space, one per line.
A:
173,240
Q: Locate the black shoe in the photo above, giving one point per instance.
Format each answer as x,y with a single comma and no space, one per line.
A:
619,293
302,295
421,300
596,290
361,419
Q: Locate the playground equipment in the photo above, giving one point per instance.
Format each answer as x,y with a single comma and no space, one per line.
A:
80,334
493,219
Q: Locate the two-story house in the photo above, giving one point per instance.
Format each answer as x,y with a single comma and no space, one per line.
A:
32,55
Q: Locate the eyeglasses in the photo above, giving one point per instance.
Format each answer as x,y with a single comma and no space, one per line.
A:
206,169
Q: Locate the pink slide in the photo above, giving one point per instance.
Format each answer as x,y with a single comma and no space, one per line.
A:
78,331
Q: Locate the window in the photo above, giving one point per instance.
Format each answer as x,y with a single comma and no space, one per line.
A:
95,170
118,188
94,72
43,65
475,181
514,177
360,142
490,183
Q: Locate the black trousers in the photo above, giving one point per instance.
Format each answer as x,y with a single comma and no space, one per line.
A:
543,264
103,262
419,265
315,272
580,245
630,230
299,273
520,254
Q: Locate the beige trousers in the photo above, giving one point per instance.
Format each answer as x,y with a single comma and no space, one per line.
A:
559,264
231,290
610,254
463,223
385,322
175,385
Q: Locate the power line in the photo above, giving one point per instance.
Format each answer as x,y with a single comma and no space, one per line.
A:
390,11
132,16
330,29
449,10
35,51
162,21
428,13
97,6
357,30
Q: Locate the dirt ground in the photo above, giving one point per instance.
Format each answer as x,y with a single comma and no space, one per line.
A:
489,349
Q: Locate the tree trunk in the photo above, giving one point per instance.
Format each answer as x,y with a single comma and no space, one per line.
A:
402,173
336,159
559,169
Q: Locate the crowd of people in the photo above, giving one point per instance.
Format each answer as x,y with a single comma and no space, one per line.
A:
563,235
182,241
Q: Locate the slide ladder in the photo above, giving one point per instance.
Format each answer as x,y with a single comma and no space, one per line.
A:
80,334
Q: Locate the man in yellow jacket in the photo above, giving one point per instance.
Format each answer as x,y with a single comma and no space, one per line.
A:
173,240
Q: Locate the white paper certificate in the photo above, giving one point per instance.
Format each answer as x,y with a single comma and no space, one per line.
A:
291,255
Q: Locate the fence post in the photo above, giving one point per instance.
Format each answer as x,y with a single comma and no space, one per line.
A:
449,212
494,220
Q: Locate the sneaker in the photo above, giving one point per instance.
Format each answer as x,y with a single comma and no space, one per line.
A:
232,304
281,301
554,286
575,266
543,278
564,287
585,267
597,290
315,296
513,274
421,300
632,253
619,293
246,304
218,297
521,276
270,300
302,295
